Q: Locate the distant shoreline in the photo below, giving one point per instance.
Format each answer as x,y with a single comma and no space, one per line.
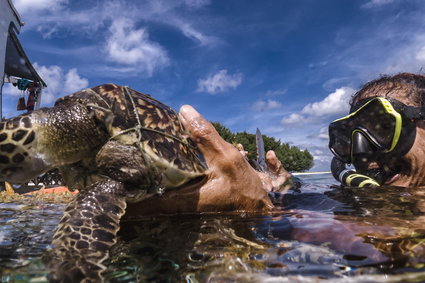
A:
311,173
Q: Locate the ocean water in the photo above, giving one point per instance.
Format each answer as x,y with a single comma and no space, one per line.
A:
319,232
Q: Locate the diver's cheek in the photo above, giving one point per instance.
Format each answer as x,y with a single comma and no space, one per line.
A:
413,173
402,181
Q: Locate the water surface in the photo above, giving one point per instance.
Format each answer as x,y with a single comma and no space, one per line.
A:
318,233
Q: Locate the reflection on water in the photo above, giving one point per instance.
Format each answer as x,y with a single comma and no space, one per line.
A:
26,230
350,235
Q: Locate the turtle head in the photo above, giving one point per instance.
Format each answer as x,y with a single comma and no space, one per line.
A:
19,162
47,138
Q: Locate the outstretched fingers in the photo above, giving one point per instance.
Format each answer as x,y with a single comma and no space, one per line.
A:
232,183
273,163
204,135
280,178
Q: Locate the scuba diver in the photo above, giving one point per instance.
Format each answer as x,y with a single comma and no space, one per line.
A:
383,137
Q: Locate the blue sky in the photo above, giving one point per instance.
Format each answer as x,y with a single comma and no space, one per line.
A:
287,67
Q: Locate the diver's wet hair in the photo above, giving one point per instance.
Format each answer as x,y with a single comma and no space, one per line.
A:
410,85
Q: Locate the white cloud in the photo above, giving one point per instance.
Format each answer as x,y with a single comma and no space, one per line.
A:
321,155
59,83
399,33
321,160
334,103
322,135
276,92
317,65
130,46
9,89
51,16
334,83
219,82
420,55
166,13
407,59
197,3
376,3
74,82
190,32
34,6
122,41
294,119
265,105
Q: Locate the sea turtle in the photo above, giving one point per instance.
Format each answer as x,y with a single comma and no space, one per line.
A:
115,145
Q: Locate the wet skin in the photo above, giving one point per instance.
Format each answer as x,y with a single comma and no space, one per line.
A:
408,169
231,183
408,172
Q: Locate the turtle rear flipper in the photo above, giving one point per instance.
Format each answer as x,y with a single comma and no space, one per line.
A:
86,232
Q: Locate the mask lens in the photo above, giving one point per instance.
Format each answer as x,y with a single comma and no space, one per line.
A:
379,124
340,142
376,120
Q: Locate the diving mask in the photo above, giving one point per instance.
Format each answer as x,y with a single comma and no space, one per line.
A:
375,128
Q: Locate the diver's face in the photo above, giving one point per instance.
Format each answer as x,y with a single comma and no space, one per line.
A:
407,170
411,167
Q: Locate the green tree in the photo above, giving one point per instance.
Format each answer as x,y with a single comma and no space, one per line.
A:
292,158
224,132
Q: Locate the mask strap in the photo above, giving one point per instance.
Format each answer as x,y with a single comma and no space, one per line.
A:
360,103
415,113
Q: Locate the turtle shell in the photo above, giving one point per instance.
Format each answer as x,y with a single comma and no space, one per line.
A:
136,119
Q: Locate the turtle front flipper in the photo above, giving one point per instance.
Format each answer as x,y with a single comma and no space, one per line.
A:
86,232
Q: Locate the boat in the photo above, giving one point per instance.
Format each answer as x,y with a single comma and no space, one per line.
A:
14,63
16,68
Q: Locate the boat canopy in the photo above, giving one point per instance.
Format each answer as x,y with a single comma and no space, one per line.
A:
14,63
17,63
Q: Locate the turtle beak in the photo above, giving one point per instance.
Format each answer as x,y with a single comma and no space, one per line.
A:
134,196
138,195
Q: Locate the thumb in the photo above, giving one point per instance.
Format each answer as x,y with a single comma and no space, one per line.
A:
202,133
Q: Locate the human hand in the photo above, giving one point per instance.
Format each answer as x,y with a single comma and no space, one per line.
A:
232,184
276,178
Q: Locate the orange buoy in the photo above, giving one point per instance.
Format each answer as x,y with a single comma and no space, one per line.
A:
54,190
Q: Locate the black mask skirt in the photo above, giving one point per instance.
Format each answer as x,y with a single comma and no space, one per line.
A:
376,130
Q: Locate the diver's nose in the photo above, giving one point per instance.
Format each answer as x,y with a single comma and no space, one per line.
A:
362,148
364,157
